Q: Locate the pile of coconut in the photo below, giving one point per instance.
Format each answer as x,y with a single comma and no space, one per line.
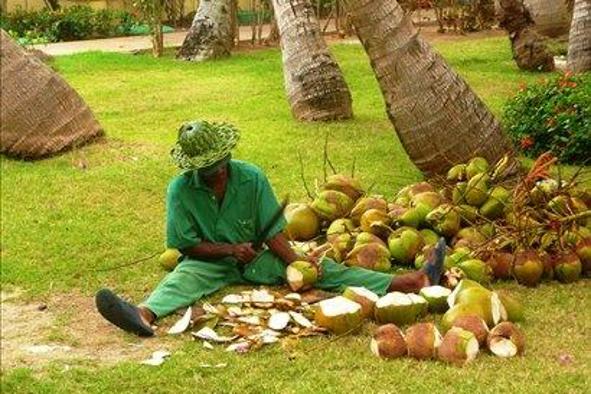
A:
496,227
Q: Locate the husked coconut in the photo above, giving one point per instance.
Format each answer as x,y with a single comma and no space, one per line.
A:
302,222
475,324
388,342
331,204
436,296
301,275
458,347
365,204
506,340
422,340
528,268
339,315
344,184
364,297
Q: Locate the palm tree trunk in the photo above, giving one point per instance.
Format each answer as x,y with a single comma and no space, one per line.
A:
529,48
210,35
439,119
41,114
579,44
552,17
316,89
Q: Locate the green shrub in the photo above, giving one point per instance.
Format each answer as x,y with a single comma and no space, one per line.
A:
72,23
554,115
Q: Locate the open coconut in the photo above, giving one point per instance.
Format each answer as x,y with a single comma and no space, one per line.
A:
399,308
364,297
491,307
528,268
506,340
475,324
436,297
302,223
365,204
330,205
422,340
458,347
339,315
344,184
404,244
301,275
388,342
371,256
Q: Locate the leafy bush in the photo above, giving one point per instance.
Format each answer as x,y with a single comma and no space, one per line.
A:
554,115
72,23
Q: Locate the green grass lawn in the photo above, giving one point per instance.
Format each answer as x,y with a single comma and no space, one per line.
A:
61,223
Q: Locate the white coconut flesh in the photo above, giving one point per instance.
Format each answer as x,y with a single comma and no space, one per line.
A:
365,293
338,306
471,349
438,338
374,346
300,319
232,299
278,321
499,313
293,297
503,347
394,299
417,299
435,292
295,278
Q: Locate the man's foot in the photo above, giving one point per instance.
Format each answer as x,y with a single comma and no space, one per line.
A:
434,266
122,314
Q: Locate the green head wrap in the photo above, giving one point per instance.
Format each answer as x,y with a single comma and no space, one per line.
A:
201,144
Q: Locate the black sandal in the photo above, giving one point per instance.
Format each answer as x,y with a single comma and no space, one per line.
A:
121,313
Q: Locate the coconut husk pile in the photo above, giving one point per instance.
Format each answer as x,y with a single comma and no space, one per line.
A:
529,228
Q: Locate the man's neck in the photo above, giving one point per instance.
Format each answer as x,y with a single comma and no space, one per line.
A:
218,183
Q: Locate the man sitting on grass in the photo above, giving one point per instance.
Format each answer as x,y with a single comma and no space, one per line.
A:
215,209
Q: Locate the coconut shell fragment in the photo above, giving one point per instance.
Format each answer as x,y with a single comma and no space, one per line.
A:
388,342
459,347
506,340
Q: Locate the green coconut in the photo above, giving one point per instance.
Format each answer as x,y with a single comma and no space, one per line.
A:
372,256
330,205
302,223
459,347
457,173
341,246
477,190
476,166
301,275
418,188
583,250
488,230
476,270
365,204
430,237
543,191
338,227
459,193
169,259
445,220
404,244
368,238
339,315
464,285
528,268
399,308
410,217
560,205
567,267
496,203
458,255
344,184
468,214
469,237
375,221
436,297
424,203
364,297
514,308
458,311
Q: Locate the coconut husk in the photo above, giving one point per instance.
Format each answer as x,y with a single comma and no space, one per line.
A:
41,113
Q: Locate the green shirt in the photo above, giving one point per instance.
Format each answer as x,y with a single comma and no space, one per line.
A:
194,215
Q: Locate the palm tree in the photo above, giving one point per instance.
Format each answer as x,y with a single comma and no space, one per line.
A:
41,113
316,89
211,33
579,44
529,48
439,119
552,17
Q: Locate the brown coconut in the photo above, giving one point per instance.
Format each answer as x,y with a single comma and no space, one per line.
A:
501,264
422,340
475,324
458,347
506,340
388,342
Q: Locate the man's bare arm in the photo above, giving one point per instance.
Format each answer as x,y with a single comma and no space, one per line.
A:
205,250
281,247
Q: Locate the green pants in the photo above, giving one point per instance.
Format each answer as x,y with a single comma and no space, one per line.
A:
194,279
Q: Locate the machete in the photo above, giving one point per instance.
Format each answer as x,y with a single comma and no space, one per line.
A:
260,240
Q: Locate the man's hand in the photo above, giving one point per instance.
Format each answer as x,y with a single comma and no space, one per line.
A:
244,253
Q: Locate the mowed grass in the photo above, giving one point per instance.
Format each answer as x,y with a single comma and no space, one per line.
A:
67,220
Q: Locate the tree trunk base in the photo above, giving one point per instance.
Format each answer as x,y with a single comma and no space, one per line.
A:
530,51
